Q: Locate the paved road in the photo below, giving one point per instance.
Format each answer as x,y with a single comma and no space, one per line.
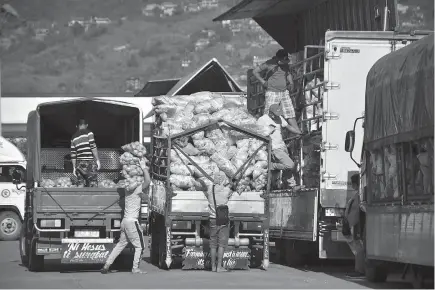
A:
13,275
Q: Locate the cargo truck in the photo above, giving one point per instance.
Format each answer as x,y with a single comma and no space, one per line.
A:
179,219
396,164
77,225
329,93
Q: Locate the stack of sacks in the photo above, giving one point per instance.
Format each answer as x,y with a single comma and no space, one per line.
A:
62,182
131,170
219,151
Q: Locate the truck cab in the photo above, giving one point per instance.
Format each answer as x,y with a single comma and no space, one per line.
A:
11,198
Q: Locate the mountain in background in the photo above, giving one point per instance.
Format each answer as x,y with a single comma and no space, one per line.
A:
96,46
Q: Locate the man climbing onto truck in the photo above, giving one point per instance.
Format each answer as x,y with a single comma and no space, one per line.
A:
272,124
130,227
278,83
83,153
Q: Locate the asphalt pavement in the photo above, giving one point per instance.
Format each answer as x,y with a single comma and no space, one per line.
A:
55,275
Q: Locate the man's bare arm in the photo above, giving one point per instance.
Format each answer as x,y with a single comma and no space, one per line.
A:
290,82
293,126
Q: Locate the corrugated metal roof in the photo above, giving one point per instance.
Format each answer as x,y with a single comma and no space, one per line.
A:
212,68
266,8
157,88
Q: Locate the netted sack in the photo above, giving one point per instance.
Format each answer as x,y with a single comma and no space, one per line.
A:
224,114
182,181
243,145
244,185
191,150
181,169
200,159
261,155
260,182
231,152
107,183
175,188
135,148
170,109
129,159
48,183
177,157
261,164
200,119
258,172
224,164
63,182
205,146
220,177
209,106
210,168
131,170
182,141
198,136
184,113
249,171
215,133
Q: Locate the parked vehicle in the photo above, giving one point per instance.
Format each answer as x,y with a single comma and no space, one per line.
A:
329,93
11,199
397,163
77,225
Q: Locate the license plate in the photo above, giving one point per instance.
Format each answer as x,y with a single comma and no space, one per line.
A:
86,234
86,251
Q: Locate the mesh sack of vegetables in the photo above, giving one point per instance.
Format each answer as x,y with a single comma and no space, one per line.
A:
47,183
209,106
231,152
128,159
131,170
181,169
135,148
205,146
244,185
177,157
260,182
190,150
199,120
63,182
220,177
107,183
224,164
210,168
198,136
182,181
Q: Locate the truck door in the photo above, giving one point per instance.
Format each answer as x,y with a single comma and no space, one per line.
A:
349,57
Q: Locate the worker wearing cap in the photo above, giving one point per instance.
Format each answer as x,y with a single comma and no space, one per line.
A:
83,154
272,124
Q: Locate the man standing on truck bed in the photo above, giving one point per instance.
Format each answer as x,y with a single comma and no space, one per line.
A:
130,227
272,124
83,153
278,83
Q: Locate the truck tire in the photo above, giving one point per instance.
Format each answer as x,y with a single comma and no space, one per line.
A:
24,248
10,226
375,272
36,262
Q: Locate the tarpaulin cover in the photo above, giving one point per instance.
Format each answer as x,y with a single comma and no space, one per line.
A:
399,95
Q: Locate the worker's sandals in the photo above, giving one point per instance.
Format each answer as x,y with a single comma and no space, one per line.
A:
105,270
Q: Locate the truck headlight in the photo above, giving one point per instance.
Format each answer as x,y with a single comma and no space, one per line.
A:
336,212
57,223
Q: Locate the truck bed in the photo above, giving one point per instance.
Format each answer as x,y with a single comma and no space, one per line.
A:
77,200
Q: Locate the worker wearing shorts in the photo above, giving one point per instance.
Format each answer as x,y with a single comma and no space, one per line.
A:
219,235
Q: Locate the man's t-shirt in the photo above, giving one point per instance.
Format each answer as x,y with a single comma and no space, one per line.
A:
222,194
133,202
265,122
277,82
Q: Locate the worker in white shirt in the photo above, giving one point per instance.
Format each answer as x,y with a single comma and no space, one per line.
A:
272,124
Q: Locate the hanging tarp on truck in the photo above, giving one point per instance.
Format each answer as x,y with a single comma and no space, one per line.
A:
399,96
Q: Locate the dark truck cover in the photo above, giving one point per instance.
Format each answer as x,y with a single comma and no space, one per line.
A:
399,96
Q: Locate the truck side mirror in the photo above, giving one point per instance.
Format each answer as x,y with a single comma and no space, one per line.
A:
17,178
350,141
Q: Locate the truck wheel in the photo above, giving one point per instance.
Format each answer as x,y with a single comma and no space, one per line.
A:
24,248
10,226
375,272
36,262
